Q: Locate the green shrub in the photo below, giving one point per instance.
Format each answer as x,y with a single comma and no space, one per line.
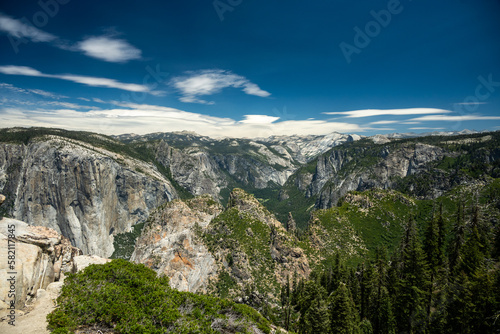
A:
130,298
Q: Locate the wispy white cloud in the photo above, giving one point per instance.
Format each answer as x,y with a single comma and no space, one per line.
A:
47,94
194,85
470,103
141,119
426,128
462,118
259,119
109,49
68,105
390,112
40,92
42,104
19,29
20,70
85,80
383,122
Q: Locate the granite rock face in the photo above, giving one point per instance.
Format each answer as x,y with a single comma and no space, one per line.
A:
168,243
192,241
85,193
337,172
201,170
41,257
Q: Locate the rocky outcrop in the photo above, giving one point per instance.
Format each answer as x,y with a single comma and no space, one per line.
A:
201,247
83,261
291,225
169,245
86,193
34,257
254,252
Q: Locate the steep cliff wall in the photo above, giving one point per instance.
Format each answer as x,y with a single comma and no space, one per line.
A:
203,169
86,193
342,171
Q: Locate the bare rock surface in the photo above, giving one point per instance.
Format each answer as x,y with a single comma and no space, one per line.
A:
86,193
41,256
83,261
168,243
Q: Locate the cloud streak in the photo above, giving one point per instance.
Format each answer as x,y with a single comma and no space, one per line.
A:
448,118
81,79
19,29
32,91
388,112
194,85
106,48
142,119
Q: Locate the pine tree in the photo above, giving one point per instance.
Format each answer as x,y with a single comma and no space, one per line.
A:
483,291
343,316
317,318
365,327
433,244
366,289
441,234
460,307
310,292
286,302
458,241
434,258
413,282
381,314
473,249
384,315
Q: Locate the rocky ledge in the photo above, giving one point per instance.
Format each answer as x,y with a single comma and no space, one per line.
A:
34,257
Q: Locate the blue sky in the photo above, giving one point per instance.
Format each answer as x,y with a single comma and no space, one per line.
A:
251,68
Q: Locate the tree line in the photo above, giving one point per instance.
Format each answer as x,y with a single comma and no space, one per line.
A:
436,281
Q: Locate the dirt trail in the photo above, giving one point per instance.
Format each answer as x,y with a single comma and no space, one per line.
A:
33,321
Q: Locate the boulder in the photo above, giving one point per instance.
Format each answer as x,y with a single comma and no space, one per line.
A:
83,261
35,256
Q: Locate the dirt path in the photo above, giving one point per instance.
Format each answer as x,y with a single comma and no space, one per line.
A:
34,320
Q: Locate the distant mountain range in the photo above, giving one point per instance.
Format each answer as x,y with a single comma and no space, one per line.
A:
91,187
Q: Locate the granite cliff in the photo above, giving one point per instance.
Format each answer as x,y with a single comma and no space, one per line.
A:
83,192
90,187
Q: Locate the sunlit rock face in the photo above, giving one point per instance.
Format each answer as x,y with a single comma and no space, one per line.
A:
169,245
85,193
41,256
